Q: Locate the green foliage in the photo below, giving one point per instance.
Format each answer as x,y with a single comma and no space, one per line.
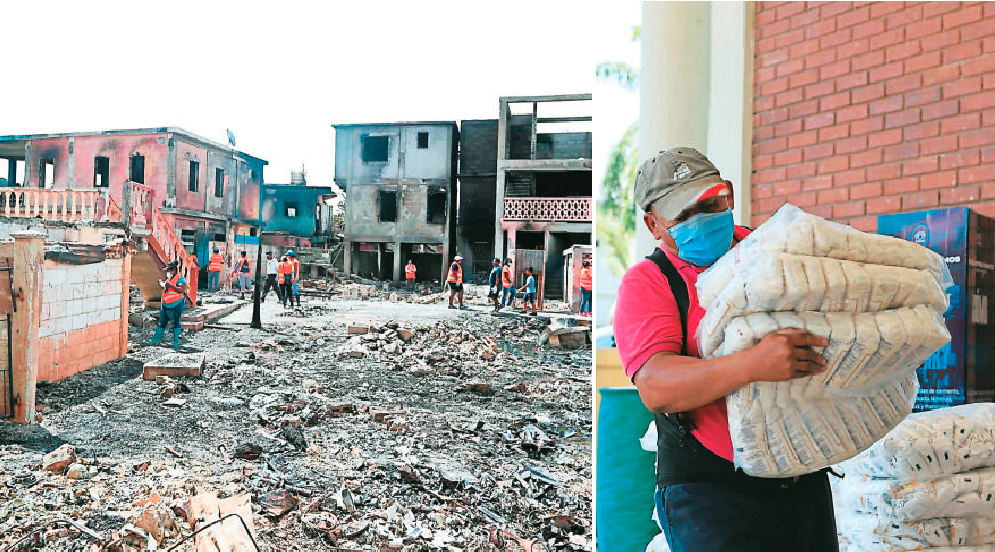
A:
616,213
616,210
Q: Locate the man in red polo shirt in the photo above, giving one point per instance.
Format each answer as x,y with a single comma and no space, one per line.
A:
704,503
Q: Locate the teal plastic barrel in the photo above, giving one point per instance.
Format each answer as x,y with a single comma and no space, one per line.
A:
626,476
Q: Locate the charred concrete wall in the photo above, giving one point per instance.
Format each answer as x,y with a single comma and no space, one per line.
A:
291,208
400,187
478,181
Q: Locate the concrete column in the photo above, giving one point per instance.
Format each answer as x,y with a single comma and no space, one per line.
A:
26,321
11,171
125,298
170,199
347,257
27,165
674,88
397,261
730,123
71,165
502,141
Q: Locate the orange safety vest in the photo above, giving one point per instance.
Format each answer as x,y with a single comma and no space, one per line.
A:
506,276
296,265
171,295
409,271
243,264
282,269
457,277
585,279
217,261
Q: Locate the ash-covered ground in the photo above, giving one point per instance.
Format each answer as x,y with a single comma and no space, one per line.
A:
438,429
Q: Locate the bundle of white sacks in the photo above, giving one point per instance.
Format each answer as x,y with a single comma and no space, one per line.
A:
878,300
928,484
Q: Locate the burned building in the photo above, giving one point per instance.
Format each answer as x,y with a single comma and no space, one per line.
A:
528,174
400,184
292,213
166,179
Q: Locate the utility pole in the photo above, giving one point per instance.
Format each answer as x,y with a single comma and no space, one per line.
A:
256,314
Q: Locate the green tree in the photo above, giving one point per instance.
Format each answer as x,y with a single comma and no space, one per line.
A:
616,228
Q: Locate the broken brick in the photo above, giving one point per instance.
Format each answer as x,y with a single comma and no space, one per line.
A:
60,458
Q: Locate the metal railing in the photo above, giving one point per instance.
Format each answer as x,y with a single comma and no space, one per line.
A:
567,209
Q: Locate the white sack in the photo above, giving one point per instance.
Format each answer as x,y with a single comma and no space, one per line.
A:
927,445
968,494
794,231
878,533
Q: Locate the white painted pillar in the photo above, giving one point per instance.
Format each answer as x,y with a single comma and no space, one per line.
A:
730,121
674,88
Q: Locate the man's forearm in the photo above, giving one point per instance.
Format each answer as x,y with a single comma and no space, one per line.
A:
670,382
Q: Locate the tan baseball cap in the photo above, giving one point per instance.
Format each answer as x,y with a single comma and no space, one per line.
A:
676,179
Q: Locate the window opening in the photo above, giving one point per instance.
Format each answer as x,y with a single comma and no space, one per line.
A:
437,207
46,173
137,169
219,182
375,148
101,172
194,176
422,140
290,210
388,206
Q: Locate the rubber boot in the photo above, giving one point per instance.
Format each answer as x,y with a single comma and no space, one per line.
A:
157,337
176,337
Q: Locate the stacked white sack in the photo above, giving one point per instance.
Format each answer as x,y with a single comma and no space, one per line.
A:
928,484
878,300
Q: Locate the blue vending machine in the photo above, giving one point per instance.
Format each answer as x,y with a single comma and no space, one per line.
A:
962,371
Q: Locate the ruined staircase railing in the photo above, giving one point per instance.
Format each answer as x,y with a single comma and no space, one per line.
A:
168,246
67,205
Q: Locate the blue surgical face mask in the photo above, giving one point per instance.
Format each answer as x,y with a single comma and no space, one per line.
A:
703,238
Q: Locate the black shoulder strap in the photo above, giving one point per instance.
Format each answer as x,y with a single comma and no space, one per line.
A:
678,287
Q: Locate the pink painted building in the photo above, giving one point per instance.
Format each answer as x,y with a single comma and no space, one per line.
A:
207,192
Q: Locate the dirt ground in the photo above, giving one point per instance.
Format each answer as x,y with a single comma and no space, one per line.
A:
438,430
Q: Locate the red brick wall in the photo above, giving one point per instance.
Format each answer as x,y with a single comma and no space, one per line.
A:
64,355
866,108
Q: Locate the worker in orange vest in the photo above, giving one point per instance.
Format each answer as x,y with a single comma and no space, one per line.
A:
295,276
243,267
284,277
455,280
409,275
508,284
171,304
214,270
586,287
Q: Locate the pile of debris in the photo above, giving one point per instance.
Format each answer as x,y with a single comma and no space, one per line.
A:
314,448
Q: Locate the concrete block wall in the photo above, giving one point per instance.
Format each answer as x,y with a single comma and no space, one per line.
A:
82,307
862,109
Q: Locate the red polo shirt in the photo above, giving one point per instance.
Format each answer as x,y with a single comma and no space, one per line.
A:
647,322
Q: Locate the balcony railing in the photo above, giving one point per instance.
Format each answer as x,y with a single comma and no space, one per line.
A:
554,209
52,204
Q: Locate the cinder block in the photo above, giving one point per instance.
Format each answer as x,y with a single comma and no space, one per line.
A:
174,365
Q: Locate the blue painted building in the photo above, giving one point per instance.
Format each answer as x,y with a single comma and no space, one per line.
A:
292,210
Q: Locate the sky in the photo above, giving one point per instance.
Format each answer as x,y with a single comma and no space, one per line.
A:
279,74
614,107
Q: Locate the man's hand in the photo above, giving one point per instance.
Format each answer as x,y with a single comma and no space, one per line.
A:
786,354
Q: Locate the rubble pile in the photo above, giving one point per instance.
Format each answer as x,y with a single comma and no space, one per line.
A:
447,433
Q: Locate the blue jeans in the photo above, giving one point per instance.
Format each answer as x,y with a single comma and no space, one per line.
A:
174,314
716,517
212,279
508,296
585,300
296,293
